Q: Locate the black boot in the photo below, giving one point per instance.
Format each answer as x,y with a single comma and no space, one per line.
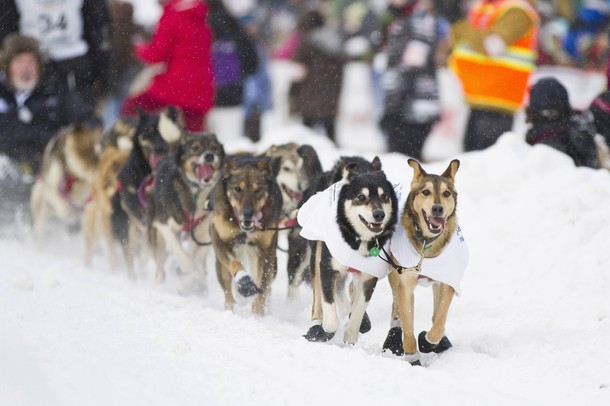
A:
317,333
393,341
426,346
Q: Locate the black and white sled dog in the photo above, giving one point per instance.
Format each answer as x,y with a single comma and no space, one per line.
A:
348,223
152,138
179,202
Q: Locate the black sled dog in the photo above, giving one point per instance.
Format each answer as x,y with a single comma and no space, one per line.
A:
151,142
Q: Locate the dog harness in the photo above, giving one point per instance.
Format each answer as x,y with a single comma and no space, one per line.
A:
318,219
448,267
145,186
65,189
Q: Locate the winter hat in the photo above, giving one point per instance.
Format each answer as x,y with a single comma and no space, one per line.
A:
548,100
15,44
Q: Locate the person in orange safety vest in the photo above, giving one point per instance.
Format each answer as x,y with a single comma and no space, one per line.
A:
493,56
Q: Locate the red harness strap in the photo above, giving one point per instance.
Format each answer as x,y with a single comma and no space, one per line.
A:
192,222
65,188
288,223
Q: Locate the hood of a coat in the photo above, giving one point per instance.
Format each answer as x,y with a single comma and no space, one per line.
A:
195,9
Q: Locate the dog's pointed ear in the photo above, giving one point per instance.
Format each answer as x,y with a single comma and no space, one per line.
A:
418,171
170,131
221,148
348,172
173,114
451,170
376,164
272,150
264,165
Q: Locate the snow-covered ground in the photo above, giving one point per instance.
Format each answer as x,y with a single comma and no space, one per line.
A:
532,326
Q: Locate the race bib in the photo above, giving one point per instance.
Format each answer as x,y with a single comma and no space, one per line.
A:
57,24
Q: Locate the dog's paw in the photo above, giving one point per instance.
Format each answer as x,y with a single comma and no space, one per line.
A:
393,341
426,346
316,333
245,285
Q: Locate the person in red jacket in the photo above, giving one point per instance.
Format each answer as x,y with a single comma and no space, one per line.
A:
182,41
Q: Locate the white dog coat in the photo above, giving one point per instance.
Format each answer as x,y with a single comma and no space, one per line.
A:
318,217
448,267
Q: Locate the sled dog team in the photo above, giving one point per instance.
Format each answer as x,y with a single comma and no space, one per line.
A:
156,190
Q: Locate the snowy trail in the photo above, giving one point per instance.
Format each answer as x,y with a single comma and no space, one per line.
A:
531,326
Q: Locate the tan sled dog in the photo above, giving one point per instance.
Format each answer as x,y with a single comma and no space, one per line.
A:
64,185
426,248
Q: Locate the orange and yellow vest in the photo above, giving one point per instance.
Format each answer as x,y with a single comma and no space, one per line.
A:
498,82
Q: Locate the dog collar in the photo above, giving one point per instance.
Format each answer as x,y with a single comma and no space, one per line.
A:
420,236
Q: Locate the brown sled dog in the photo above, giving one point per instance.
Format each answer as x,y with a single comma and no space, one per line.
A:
179,203
64,185
246,205
427,247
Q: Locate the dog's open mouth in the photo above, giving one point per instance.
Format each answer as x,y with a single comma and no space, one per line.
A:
246,225
373,227
294,196
204,172
251,224
436,225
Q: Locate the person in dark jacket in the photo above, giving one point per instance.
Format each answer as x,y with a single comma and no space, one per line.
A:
34,104
74,33
320,54
412,103
556,124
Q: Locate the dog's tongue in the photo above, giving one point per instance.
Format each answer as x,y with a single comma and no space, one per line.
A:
204,172
154,160
437,221
297,196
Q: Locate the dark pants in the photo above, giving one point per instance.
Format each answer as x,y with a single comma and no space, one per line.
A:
328,123
405,137
485,127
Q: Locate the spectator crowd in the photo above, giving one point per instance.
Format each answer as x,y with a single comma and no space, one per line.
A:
63,62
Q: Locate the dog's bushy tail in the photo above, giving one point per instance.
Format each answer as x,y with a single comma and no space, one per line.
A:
119,220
